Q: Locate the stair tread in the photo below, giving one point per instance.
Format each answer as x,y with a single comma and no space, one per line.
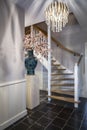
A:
67,99
55,64
62,74
53,60
58,69
63,92
63,79
63,84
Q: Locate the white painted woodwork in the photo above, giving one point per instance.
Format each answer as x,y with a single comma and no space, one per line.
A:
12,102
33,98
42,60
76,87
49,62
12,83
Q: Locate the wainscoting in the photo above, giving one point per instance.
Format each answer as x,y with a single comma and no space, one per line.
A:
12,102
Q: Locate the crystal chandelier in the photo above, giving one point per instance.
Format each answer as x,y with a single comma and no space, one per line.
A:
56,15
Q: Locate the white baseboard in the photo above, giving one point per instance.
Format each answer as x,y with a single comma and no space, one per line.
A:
12,120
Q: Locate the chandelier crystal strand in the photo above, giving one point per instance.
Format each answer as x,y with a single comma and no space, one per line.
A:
56,15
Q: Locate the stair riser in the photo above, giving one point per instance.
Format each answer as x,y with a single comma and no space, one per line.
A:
62,79
56,67
63,93
61,76
63,87
57,70
62,82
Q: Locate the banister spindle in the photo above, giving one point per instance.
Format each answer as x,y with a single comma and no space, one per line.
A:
76,95
49,62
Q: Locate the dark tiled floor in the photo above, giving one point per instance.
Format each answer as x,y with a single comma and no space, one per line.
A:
43,95
54,115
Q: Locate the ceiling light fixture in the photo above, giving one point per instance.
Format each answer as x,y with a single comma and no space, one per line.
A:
56,15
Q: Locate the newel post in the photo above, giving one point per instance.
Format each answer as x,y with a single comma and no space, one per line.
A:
76,94
49,63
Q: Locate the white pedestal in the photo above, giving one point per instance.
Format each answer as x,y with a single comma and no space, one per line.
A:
33,98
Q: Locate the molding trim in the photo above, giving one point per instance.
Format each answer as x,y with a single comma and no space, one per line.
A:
12,82
13,119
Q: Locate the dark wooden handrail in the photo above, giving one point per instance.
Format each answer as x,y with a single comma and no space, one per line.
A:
80,58
57,42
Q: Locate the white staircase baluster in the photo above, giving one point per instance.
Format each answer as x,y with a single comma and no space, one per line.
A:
49,63
76,95
32,36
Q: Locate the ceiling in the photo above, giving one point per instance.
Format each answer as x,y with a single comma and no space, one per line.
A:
34,10
72,36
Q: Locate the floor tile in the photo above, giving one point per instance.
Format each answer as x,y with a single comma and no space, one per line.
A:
80,111
59,122
7,128
50,115
77,115
69,128
20,126
29,120
84,123
52,127
42,104
74,123
20,120
57,108
10,127
85,117
64,116
36,127
67,110
44,121
44,109
69,105
50,105
37,114
83,128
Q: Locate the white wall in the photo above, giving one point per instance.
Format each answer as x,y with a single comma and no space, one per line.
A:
13,97
65,58
11,42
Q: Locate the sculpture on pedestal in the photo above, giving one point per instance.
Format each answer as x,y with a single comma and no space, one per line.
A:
30,63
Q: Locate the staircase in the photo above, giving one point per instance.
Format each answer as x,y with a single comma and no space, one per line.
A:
64,83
